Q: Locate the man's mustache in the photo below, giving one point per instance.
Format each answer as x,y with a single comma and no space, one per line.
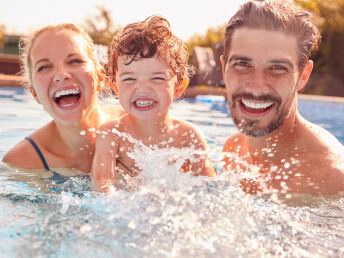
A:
265,97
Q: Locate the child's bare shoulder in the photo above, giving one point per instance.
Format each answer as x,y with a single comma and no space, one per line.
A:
187,128
189,133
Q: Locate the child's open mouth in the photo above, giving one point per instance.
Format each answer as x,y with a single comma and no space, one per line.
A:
67,97
144,104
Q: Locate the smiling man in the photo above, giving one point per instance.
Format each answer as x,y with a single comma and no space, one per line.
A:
265,64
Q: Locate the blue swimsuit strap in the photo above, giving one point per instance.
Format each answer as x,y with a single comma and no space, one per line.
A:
39,153
57,177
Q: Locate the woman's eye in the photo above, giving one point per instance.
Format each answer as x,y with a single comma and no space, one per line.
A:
76,60
42,67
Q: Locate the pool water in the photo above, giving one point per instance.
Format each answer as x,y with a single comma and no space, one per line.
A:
169,215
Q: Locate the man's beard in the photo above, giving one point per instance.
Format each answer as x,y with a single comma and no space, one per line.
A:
250,127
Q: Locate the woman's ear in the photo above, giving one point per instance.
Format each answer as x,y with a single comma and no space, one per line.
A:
34,94
180,89
101,79
113,87
304,76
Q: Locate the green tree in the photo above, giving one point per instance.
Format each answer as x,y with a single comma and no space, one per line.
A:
101,27
328,71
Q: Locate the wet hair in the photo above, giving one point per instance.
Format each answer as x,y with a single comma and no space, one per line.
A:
26,44
276,15
149,38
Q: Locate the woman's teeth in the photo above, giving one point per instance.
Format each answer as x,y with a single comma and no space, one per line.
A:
66,92
144,103
256,105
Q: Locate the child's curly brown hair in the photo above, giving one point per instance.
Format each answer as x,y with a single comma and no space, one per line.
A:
149,38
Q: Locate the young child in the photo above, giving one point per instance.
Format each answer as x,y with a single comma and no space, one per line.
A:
148,68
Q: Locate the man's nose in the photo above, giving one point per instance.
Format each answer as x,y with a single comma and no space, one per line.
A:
258,83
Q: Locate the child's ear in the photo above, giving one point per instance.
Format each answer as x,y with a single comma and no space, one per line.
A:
113,87
304,76
34,94
180,89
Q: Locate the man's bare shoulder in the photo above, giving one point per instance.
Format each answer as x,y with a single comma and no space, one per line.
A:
321,142
233,142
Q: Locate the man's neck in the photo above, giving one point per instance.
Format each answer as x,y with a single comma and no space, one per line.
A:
277,144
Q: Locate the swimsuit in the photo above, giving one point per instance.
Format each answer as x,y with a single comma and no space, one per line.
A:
56,177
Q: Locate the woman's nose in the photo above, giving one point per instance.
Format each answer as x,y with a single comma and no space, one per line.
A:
61,74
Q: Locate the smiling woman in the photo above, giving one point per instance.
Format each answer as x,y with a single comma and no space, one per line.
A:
63,74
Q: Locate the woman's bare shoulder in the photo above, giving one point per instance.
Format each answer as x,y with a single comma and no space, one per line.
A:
23,155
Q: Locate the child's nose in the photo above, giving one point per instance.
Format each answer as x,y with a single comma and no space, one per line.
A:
143,87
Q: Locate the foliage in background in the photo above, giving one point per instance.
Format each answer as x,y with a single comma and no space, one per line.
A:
101,27
328,70
213,35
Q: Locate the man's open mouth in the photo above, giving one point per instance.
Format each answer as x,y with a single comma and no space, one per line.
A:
253,106
67,97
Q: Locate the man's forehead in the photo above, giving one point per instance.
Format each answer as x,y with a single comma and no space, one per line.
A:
260,43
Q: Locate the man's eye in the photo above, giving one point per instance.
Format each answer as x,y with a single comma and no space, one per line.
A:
279,69
241,66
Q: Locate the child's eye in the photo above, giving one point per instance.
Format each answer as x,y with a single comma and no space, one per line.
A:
128,79
158,78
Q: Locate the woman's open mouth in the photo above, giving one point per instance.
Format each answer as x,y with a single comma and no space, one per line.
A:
66,98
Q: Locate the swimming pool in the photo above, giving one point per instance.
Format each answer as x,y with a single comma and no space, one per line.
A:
171,214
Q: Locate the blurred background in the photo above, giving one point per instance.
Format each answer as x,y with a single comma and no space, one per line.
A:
200,24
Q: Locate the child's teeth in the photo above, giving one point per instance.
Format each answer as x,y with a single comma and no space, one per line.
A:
256,105
143,103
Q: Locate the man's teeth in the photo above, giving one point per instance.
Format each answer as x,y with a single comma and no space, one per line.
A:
257,105
143,103
66,92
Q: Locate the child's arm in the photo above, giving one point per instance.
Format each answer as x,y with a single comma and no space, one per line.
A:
104,161
202,166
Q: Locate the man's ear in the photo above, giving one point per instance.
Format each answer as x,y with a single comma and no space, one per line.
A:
180,89
304,76
222,66
113,87
34,94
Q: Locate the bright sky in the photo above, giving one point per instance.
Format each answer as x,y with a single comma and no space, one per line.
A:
187,17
